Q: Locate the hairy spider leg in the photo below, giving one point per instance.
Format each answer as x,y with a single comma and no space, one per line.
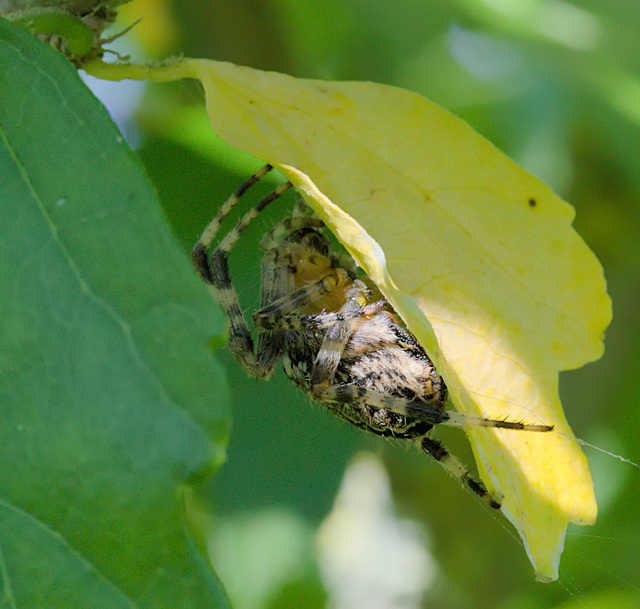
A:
330,394
211,230
349,393
282,313
337,336
285,311
277,280
334,395
457,470
214,269
279,264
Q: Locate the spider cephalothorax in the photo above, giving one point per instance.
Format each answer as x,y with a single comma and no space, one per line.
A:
338,338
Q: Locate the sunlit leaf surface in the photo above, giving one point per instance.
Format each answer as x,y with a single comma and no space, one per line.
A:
478,257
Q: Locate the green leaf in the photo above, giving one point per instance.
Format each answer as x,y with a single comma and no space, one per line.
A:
112,402
77,34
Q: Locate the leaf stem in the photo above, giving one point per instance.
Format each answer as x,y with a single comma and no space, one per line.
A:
164,71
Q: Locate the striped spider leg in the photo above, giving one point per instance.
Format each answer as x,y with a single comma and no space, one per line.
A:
338,338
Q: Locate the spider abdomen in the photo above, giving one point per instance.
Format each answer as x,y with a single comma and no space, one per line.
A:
380,361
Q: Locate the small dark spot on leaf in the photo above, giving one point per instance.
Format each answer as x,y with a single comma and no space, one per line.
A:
532,202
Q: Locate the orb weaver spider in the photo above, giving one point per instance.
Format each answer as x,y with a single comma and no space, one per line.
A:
338,338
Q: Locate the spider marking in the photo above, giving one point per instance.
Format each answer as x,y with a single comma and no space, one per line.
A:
338,338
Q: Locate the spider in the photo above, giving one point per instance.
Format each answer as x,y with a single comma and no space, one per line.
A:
338,338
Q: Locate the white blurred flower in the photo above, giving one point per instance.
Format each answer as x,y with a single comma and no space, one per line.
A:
368,557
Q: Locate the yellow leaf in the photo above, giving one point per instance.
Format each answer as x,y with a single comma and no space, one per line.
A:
477,256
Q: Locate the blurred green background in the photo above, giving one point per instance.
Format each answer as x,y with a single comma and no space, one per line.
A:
556,86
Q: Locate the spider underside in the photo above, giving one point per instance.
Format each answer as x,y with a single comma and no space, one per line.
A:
338,338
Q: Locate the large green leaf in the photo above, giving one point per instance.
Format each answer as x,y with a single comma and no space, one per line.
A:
111,400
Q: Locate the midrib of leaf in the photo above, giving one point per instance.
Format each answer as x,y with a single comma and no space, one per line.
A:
84,286
49,531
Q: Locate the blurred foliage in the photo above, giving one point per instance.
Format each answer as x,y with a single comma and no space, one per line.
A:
556,85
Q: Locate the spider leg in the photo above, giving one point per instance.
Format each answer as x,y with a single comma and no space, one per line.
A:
348,319
289,306
277,279
382,423
415,409
437,450
204,263
211,230
214,269
273,239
